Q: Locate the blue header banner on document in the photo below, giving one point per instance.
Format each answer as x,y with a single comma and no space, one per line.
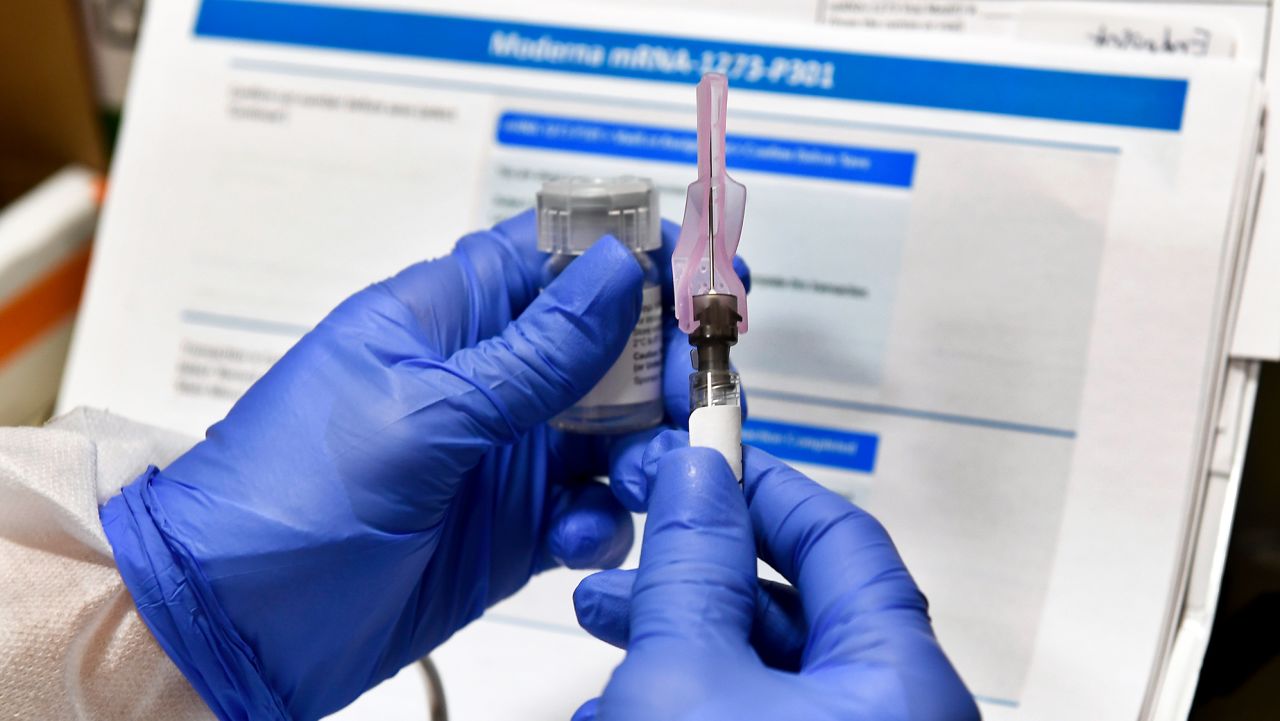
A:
768,155
1128,101
848,450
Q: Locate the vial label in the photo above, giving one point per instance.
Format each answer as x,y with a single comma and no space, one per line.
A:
637,375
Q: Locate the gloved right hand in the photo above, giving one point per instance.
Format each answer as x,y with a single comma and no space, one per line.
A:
706,640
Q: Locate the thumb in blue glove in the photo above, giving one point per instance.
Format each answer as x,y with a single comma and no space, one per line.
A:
389,479
705,639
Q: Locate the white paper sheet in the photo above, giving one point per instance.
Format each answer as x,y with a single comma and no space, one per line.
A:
1032,304
1245,30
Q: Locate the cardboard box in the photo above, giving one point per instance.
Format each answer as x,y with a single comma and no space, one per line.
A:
49,122
48,112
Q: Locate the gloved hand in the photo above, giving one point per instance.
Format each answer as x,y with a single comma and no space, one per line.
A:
706,640
389,479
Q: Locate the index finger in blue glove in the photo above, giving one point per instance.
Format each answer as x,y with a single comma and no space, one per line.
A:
449,413
839,556
559,347
869,623
697,583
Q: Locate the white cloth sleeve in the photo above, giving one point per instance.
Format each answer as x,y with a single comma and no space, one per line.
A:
72,646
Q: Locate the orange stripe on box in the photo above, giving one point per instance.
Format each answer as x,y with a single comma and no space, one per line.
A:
44,304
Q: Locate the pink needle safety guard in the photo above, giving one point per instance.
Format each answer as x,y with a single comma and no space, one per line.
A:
702,263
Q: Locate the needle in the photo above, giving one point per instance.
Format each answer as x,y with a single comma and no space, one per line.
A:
711,215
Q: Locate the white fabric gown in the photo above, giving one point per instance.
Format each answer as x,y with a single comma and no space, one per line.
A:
72,646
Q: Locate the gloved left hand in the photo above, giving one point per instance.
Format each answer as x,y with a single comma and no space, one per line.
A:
388,480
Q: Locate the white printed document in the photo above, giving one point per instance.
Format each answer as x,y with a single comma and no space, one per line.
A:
993,281
1248,30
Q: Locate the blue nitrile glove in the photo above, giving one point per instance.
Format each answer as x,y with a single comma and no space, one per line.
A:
389,479
706,640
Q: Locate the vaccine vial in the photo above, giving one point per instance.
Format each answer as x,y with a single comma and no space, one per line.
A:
573,213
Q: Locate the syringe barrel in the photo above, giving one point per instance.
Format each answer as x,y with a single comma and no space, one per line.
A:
714,388
715,420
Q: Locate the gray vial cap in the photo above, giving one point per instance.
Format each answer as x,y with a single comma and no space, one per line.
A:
573,213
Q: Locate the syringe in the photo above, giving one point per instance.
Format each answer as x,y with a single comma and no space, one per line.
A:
710,301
